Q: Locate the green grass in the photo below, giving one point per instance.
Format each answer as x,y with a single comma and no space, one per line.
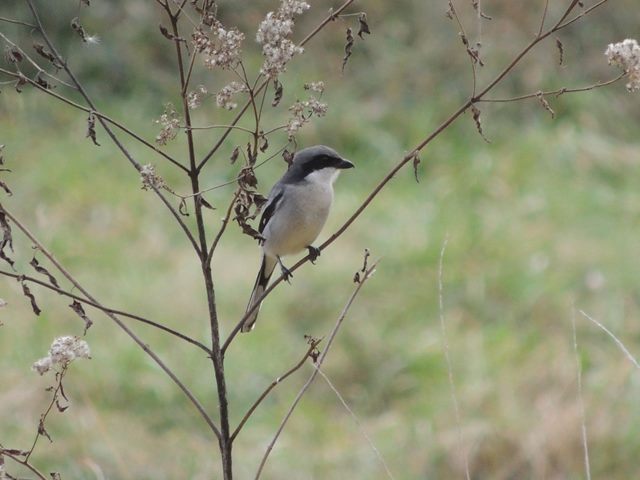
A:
540,220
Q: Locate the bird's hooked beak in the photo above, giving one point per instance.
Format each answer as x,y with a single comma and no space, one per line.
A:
343,164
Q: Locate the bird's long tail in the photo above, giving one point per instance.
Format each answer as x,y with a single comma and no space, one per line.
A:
266,269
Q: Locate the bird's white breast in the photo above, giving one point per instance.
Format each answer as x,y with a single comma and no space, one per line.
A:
304,210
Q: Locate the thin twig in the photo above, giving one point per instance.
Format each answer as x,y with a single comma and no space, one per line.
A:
367,275
465,40
358,423
615,339
213,127
24,463
544,17
447,356
118,322
54,398
187,80
107,309
584,13
312,346
17,22
225,222
557,92
585,444
568,11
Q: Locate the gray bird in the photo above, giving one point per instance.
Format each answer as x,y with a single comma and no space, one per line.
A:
295,212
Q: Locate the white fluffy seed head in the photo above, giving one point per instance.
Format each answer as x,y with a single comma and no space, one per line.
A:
626,55
273,34
62,352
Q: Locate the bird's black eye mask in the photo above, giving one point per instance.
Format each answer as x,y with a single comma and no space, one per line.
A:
324,161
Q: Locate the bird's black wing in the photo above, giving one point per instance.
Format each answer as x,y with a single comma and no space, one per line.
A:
269,210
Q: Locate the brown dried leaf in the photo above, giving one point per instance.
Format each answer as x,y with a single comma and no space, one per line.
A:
20,83
44,83
182,207
13,54
7,238
545,104
248,229
449,12
170,36
277,86
61,408
347,48
204,203
560,48
44,53
247,178
79,309
476,7
416,161
288,157
264,143
15,451
91,128
234,155
363,270
43,431
78,28
61,374
40,269
4,257
165,33
476,118
364,26
251,156
4,187
27,293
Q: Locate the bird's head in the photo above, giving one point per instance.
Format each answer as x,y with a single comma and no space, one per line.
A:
318,163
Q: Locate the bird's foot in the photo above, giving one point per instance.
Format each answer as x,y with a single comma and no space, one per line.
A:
286,273
314,253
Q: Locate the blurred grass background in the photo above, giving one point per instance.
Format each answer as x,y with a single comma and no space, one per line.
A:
543,218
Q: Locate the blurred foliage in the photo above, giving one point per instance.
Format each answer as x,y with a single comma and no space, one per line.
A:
543,219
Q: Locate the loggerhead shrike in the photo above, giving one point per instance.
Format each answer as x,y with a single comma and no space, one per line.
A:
295,212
